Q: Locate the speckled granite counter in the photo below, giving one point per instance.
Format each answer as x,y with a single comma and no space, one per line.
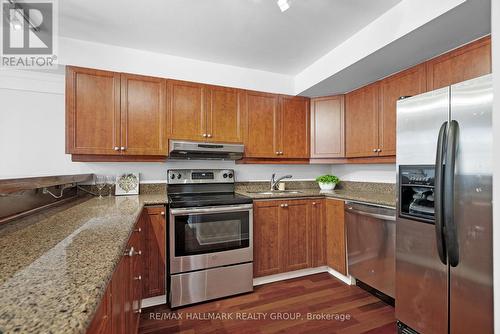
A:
372,193
56,265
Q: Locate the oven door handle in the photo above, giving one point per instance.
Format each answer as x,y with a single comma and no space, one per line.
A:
211,209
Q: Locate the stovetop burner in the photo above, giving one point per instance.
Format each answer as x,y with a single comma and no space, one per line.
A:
196,188
214,199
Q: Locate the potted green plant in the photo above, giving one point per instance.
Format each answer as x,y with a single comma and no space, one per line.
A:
327,182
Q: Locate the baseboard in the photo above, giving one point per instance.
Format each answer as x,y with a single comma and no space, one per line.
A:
300,273
153,301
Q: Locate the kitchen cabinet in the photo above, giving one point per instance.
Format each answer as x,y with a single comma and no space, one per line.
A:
295,127
295,216
269,235
92,111
467,62
225,117
263,133
187,108
318,232
113,114
277,126
406,83
154,251
120,307
327,127
361,121
289,235
335,235
143,115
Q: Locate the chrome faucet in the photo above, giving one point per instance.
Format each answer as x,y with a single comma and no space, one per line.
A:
275,182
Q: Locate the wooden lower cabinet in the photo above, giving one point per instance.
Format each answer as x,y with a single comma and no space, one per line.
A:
335,235
120,308
293,234
154,255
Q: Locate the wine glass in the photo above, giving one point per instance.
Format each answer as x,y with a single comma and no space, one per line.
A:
110,182
100,182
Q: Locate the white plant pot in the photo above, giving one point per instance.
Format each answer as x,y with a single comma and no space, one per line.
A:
327,186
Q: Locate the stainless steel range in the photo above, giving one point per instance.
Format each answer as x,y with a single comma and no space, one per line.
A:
211,236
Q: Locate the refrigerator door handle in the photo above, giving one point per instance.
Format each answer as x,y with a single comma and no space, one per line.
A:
449,191
438,193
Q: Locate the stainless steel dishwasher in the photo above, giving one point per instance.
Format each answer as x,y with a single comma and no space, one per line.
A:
371,241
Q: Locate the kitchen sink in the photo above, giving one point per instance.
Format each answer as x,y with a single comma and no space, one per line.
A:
272,192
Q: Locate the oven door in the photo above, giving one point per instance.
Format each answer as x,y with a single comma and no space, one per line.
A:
208,237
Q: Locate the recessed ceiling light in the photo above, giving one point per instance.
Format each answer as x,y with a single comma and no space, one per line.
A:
283,4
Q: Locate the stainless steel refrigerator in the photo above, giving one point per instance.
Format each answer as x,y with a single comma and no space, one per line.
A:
444,267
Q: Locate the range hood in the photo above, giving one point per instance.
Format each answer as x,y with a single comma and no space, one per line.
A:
190,150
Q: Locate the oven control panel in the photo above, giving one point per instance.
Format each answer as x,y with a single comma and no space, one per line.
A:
189,176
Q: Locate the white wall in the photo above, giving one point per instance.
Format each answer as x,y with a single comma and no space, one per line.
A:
32,137
495,10
384,173
120,59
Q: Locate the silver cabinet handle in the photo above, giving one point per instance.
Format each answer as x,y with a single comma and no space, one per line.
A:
284,205
129,252
281,152
138,278
314,203
138,230
123,148
209,135
277,153
138,311
204,135
379,150
162,213
116,148
375,150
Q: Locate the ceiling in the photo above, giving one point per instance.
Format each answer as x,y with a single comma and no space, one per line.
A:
446,32
246,33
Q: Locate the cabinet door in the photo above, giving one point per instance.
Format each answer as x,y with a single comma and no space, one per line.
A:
296,220
327,127
92,111
468,62
101,323
361,112
318,232
263,126
143,115
119,296
225,119
268,235
407,83
295,127
335,236
187,105
154,254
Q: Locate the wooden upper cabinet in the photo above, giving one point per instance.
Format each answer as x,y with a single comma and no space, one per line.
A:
467,62
187,107
327,127
154,239
143,115
407,83
92,111
225,117
295,127
361,121
263,125
268,234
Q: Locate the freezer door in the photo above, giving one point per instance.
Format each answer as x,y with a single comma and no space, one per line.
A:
471,281
421,279
418,121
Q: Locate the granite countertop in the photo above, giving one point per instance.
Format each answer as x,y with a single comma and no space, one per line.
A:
370,193
57,264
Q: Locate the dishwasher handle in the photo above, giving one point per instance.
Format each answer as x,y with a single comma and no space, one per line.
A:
370,214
